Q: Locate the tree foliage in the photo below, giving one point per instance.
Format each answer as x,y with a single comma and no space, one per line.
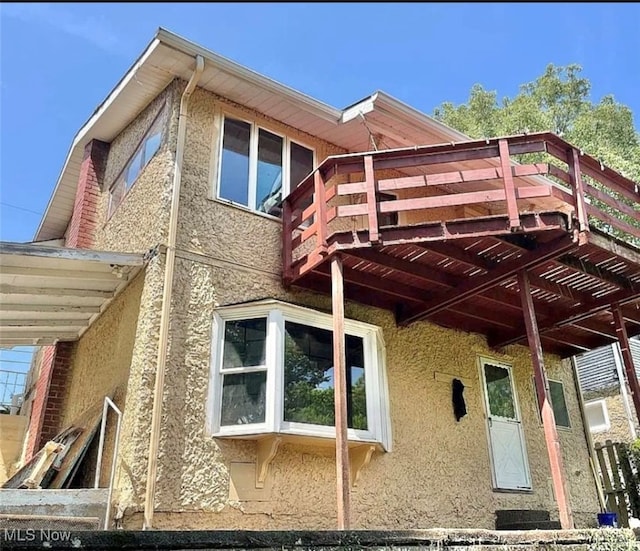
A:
557,101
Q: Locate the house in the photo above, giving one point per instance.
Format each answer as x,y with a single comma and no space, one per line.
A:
217,242
608,402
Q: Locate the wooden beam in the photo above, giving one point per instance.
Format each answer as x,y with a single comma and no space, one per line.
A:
623,339
604,275
7,308
572,317
343,469
544,402
509,187
68,273
54,292
321,212
372,201
502,272
104,257
573,160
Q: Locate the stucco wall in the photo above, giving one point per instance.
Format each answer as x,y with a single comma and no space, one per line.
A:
141,220
439,471
619,430
100,366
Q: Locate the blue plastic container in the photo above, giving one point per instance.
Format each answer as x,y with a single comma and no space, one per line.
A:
608,520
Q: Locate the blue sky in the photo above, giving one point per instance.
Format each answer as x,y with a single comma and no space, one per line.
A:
59,61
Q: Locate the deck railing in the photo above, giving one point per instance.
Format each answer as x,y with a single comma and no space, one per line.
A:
348,186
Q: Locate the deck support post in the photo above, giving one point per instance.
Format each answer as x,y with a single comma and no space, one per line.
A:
340,393
544,403
627,358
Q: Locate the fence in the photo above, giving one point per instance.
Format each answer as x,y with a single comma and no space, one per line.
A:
620,480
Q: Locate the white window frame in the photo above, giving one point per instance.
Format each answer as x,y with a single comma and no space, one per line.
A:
158,122
605,411
252,184
276,312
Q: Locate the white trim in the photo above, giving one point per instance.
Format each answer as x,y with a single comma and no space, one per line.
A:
254,134
482,361
605,414
277,313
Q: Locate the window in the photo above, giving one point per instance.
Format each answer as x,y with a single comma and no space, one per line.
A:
257,167
145,151
273,373
559,404
597,415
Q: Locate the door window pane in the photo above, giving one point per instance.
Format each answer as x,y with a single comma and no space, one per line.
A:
499,392
244,343
309,383
243,398
234,168
269,186
559,404
301,164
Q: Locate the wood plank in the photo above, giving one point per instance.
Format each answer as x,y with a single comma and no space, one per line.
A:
611,202
85,255
343,469
8,308
554,453
617,223
321,212
509,187
573,160
502,272
287,245
56,273
372,210
53,291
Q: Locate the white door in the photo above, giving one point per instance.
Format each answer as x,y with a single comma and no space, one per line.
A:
506,439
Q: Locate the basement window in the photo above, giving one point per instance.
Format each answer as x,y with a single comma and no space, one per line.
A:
257,167
272,372
147,148
597,416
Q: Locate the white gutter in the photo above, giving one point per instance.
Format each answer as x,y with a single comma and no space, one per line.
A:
304,101
156,414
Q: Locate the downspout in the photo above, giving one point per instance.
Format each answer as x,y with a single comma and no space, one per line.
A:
587,435
156,414
622,380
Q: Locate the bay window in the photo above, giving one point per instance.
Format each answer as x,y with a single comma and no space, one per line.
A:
257,168
272,372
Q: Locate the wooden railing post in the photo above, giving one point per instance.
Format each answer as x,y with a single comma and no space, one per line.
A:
573,160
372,201
509,186
287,239
321,211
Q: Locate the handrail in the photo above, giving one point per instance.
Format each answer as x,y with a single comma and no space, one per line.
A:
108,403
587,188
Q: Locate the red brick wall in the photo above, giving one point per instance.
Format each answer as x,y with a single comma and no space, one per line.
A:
83,222
38,404
44,423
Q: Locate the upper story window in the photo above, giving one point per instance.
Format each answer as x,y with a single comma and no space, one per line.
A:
146,149
273,373
257,167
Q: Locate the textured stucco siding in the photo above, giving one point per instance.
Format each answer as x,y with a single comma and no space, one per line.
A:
619,430
99,367
438,473
141,220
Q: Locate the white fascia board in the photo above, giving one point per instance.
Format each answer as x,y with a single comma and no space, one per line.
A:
88,126
306,102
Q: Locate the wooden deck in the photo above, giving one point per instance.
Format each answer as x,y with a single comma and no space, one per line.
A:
440,233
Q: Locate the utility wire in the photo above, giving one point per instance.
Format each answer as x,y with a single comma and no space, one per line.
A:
20,208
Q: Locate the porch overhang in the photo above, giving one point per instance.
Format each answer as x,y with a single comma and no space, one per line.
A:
50,294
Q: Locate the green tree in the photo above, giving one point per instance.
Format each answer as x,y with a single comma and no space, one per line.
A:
557,101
